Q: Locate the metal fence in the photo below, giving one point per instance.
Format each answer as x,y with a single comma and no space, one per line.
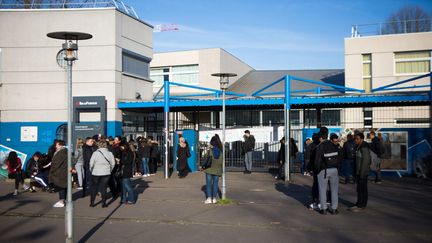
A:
394,27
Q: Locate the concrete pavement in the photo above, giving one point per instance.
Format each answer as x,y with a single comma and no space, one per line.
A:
265,210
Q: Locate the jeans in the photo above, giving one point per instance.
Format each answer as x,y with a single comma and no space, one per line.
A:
212,187
127,191
62,193
248,161
347,168
145,166
362,192
323,181
99,182
18,179
79,167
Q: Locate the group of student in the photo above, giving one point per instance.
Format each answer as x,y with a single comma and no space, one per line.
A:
326,161
98,163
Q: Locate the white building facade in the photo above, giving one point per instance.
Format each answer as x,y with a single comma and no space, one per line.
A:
33,87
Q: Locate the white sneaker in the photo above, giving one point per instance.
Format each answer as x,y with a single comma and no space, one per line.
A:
59,204
214,200
79,188
313,206
25,187
15,193
208,201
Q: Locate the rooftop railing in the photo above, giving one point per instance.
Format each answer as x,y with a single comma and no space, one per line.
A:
68,4
394,27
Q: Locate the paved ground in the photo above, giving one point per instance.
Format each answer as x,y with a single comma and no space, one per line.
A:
264,211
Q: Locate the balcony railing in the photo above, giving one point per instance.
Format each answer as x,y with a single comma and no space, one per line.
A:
67,4
395,27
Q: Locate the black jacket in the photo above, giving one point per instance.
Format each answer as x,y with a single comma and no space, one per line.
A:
144,150
249,144
87,154
375,146
349,150
325,149
127,161
310,166
154,153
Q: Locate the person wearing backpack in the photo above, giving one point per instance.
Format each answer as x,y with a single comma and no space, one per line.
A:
348,159
362,170
327,162
376,148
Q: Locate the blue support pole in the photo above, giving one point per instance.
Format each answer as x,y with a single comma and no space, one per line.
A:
287,126
166,121
268,86
430,106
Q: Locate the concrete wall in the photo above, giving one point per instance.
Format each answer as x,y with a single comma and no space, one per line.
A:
382,48
33,87
215,60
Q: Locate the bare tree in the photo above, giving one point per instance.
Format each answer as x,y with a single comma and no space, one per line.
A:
408,19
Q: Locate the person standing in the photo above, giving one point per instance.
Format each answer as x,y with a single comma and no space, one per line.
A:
87,150
308,142
348,159
215,171
154,156
312,170
327,161
183,154
126,166
79,165
376,153
58,172
362,165
281,159
115,183
14,165
102,163
144,150
248,147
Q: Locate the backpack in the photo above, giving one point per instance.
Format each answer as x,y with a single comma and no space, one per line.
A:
331,155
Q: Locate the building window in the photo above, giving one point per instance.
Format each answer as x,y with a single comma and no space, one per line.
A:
186,74
413,62
135,64
367,72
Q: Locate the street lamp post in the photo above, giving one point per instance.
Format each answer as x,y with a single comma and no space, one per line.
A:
69,54
224,81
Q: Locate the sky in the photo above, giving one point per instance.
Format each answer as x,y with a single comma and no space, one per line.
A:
267,34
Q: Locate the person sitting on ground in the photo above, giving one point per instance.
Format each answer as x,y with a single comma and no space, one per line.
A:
15,171
37,171
214,171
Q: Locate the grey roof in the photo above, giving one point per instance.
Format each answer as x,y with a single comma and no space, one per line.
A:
257,79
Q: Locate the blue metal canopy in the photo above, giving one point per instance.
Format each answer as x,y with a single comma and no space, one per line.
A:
300,98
